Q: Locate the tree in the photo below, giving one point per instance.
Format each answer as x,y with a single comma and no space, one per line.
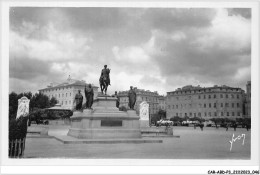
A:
53,101
155,118
40,100
176,119
13,104
162,113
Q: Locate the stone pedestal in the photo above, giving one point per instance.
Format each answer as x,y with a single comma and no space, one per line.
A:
105,121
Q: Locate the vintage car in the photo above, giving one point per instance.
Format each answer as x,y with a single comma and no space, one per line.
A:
164,122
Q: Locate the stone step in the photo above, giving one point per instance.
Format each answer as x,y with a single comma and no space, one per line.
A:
72,140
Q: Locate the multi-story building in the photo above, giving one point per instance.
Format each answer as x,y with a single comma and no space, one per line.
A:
162,103
152,98
207,102
248,100
65,92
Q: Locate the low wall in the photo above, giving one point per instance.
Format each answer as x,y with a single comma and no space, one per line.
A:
59,122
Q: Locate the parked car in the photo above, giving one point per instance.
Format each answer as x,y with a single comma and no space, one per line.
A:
164,122
209,123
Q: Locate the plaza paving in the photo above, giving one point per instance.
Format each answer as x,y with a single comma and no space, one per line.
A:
211,143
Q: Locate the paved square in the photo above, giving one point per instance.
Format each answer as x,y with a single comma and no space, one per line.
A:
193,143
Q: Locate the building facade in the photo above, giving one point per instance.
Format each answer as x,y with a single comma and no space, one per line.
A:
209,102
248,100
162,102
65,92
152,98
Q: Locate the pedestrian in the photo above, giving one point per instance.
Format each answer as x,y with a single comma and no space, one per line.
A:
247,127
226,127
235,126
201,126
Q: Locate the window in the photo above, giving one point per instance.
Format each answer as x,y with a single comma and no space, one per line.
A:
177,114
210,105
232,95
205,105
199,96
238,113
205,114
209,114
215,114
233,105
226,95
190,114
238,105
221,95
222,113
237,96
215,96
66,102
176,106
233,113
221,105
209,96
226,104
227,113
204,96
215,105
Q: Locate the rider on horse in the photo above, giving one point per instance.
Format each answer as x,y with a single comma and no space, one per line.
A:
104,79
105,74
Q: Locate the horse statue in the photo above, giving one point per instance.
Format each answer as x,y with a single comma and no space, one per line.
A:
103,82
104,79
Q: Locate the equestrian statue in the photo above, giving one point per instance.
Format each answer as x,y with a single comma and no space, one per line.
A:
104,79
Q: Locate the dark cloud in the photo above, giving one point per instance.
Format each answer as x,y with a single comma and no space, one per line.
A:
79,18
176,19
244,12
213,65
36,15
28,69
175,30
95,18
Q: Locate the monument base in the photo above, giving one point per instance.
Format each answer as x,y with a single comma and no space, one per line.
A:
105,121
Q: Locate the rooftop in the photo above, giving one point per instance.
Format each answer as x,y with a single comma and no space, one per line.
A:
68,82
198,88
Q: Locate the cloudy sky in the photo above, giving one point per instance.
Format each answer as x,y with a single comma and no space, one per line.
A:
157,49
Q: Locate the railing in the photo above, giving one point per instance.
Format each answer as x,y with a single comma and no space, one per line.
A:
16,148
